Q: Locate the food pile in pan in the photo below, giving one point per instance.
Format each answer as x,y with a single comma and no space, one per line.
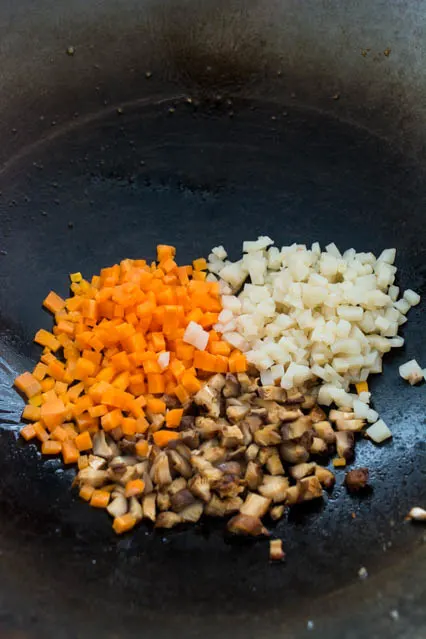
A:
220,388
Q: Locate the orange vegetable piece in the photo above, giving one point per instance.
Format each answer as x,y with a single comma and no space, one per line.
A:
156,405
142,448
220,348
181,393
28,384
53,413
70,452
124,523
163,437
60,434
190,383
100,498
200,264
41,432
84,368
128,426
173,417
112,419
134,488
50,447
40,371
86,492
32,413
28,432
44,338
53,302
361,387
156,383
83,441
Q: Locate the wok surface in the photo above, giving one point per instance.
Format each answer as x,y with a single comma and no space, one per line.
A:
196,175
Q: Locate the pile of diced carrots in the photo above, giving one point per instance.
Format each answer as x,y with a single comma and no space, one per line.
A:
100,365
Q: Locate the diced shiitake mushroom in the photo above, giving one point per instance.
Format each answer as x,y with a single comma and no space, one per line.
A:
247,525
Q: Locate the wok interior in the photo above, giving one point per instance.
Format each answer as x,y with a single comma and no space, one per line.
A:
219,167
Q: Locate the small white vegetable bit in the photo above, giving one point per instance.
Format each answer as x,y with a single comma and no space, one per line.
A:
412,372
379,432
417,514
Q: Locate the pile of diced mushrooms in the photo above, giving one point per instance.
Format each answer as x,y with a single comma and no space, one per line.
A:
245,451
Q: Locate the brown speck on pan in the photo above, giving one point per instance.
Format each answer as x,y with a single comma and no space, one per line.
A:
353,515
336,96
387,52
364,52
70,50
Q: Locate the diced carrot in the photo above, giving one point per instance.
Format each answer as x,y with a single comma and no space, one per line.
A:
173,417
53,302
158,342
205,361
59,434
361,387
124,523
40,372
181,393
47,339
47,384
134,488
82,462
100,498
84,368
53,413
142,448
40,432
112,419
83,441
190,383
142,425
97,411
82,404
163,437
36,400
28,384
71,432
31,413
70,452
177,368
56,369
222,364
75,391
237,362
86,492
220,348
200,264
128,426
155,383
50,447
28,432
156,405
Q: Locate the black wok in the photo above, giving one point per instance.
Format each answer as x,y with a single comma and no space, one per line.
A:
198,123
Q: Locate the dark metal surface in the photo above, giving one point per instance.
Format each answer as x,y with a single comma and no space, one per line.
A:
79,192
197,176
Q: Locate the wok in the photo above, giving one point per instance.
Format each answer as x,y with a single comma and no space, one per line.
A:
124,124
